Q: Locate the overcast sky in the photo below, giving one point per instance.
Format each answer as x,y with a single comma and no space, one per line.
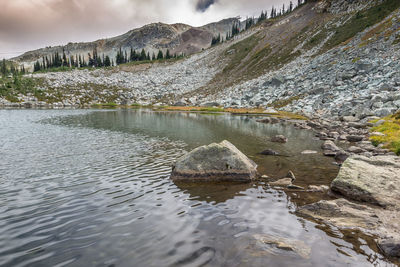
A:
31,24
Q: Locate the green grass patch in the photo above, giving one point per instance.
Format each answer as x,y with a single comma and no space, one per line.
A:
360,21
316,39
10,87
284,102
391,129
239,51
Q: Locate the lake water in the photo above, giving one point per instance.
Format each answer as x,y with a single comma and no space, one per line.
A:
92,188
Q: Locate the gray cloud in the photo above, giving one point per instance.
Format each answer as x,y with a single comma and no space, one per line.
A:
31,24
202,5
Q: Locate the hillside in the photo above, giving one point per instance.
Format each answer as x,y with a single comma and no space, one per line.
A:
325,58
178,38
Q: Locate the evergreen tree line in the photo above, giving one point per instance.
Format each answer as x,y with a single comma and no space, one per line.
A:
94,60
122,56
252,21
274,13
11,70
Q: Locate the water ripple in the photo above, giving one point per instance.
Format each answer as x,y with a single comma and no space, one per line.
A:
83,188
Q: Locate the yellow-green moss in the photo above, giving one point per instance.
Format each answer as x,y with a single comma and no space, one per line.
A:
391,130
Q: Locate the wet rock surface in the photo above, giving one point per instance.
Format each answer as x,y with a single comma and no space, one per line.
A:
269,243
279,139
371,186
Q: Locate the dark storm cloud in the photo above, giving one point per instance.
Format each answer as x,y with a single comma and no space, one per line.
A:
202,5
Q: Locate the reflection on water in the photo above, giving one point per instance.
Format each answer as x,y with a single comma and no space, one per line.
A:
92,188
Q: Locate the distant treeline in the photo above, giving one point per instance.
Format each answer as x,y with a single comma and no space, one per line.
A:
58,60
8,68
274,13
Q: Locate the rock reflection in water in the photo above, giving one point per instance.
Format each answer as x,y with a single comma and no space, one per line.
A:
92,188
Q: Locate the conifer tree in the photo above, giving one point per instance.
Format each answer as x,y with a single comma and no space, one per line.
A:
3,68
64,59
160,55
107,62
142,55
36,66
167,54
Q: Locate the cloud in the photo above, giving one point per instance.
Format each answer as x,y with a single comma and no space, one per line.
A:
202,5
31,24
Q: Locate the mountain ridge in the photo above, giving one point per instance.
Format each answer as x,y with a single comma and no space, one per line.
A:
179,38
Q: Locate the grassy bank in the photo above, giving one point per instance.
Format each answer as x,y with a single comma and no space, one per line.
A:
360,21
391,130
12,86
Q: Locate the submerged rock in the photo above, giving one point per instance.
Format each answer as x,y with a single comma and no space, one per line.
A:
317,188
282,182
269,152
307,152
215,162
375,180
279,139
341,212
281,243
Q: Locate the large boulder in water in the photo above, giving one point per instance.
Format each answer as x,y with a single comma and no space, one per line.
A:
214,162
375,180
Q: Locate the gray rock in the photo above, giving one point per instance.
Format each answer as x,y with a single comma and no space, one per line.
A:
354,138
375,180
215,162
330,153
274,242
390,246
330,146
348,215
364,66
279,139
350,119
282,182
383,112
211,104
276,81
355,150
341,156
291,175
296,187
269,152
317,188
